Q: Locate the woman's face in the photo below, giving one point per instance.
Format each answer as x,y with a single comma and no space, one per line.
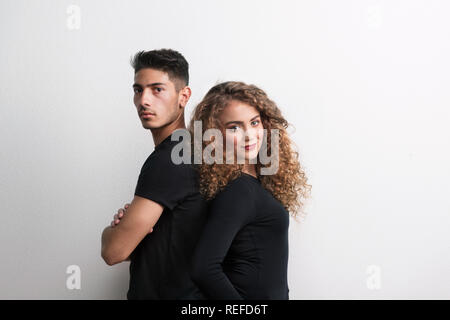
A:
242,127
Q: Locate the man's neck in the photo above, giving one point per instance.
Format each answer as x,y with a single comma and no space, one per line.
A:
161,133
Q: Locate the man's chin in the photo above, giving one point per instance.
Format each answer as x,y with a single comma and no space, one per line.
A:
147,125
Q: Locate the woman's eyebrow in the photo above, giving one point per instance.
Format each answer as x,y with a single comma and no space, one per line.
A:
240,122
230,122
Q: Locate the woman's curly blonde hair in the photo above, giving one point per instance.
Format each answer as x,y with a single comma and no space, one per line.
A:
289,184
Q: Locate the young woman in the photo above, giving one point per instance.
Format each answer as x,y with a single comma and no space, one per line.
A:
243,250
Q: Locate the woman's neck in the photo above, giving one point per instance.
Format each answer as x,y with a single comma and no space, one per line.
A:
250,169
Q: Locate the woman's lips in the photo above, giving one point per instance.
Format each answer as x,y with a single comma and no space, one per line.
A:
250,146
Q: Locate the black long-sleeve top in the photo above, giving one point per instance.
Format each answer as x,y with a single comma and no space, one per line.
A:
243,250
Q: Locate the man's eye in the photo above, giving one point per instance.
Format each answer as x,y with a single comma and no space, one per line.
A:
158,89
136,90
233,128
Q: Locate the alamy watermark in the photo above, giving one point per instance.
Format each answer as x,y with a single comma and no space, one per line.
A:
234,149
373,281
73,281
73,21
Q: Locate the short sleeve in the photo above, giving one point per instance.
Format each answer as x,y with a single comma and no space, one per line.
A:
164,182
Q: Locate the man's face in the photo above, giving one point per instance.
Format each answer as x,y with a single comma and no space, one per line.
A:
155,94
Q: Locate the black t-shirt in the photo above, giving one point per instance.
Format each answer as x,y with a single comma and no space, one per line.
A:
243,250
159,267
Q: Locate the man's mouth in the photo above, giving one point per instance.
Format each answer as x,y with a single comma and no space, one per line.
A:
147,115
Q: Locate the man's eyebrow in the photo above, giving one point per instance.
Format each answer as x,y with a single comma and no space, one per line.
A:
149,85
240,122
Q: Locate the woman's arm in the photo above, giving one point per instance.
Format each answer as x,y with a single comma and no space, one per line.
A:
229,212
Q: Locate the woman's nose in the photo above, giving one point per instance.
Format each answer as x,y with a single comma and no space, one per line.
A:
250,134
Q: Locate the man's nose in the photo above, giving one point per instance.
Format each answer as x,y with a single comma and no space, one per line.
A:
145,100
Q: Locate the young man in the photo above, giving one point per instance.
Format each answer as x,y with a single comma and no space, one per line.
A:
166,196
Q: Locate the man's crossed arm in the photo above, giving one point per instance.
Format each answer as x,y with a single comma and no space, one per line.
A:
119,240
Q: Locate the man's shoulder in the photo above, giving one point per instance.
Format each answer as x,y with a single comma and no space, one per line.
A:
164,159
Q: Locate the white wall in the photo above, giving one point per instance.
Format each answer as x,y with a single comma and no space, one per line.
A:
364,83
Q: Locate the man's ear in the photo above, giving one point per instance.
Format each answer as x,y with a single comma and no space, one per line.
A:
183,96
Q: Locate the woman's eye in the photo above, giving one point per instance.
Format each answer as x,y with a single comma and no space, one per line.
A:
233,128
255,123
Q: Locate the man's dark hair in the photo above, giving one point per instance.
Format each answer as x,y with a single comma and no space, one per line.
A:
166,60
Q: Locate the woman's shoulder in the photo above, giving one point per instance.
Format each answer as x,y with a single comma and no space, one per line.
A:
237,199
242,186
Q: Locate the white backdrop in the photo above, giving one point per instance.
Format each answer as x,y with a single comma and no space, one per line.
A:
365,84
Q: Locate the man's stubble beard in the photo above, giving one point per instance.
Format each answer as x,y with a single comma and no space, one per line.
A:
166,123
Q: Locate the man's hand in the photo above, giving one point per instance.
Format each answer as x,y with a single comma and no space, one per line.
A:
119,215
134,222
